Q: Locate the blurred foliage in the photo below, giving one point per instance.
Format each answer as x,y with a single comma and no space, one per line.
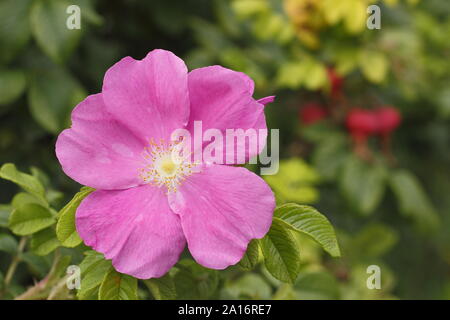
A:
391,209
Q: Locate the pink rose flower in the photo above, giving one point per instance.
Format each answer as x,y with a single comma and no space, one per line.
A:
147,207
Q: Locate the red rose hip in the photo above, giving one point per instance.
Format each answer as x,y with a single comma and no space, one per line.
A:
388,119
312,112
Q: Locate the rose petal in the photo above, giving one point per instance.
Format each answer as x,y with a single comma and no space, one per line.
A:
135,228
151,94
98,150
267,100
222,209
222,99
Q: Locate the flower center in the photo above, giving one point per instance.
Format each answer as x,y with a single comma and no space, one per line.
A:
165,166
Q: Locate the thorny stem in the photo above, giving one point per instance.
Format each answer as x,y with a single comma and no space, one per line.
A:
40,289
57,288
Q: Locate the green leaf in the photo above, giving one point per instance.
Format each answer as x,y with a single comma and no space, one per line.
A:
38,266
23,198
281,253
247,8
118,286
41,176
317,76
251,256
48,24
413,201
27,182
374,65
317,286
30,218
52,95
14,27
291,74
162,288
12,85
338,12
65,228
44,242
285,292
209,36
308,220
362,184
329,155
294,182
8,243
193,281
93,269
373,241
355,16
5,210
249,286
88,12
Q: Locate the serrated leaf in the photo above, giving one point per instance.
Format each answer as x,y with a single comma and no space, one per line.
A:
48,24
280,251
412,200
30,218
93,269
27,182
308,220
118,286
162,288
65,228
44,242
251,256
8,243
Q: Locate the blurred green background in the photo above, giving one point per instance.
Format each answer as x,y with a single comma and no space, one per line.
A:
389,203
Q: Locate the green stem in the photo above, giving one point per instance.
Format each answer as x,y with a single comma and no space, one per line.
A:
13,266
